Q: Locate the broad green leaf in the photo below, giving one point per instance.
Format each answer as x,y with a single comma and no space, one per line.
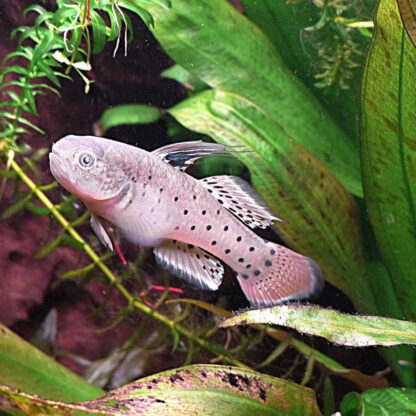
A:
24,367
179,74
211,40
129,114
339,328
377,402
320,216
199,389
388,145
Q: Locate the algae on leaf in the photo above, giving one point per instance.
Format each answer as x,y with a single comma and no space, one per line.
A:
197,389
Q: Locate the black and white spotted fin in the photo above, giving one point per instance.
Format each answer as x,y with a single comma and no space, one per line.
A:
238,197
100,232
182,155
190,263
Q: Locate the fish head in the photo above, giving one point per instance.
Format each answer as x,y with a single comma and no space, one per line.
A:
88,167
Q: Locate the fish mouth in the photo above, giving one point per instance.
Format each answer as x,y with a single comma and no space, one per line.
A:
60,169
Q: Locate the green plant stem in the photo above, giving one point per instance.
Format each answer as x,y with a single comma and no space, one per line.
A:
132,302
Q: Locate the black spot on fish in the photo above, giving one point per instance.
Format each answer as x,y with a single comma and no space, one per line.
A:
251,248
143,193
213,243
256,272
177,159
208,227
158,201
241,260
176,228
185,212
218,212
203,212
175,199
221,201
239,238
194,196
198,256
161,190
133,179
248,266
226,228
227,251
268,263
191,246
174,241
210,191
245,276
272,252
149,177
204,267
193,227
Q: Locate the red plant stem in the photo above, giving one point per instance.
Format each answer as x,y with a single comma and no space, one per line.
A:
117,247
161,289
89,12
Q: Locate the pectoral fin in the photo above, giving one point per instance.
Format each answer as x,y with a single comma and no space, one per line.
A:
100,232
190,263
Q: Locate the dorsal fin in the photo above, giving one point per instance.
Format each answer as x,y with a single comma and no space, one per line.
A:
181,155
238,197
190,263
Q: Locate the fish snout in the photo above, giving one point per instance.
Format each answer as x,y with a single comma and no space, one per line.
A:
60,169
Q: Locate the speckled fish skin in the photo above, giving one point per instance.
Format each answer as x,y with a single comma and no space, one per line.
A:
156,204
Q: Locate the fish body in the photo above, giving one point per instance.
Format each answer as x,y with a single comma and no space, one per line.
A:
192,224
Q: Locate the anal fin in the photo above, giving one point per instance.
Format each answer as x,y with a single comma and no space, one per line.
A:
190,263
238,197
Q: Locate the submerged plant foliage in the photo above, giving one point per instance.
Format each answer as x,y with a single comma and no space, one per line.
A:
281,80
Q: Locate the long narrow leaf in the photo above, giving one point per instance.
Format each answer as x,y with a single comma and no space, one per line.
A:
339,328
389,149
25,367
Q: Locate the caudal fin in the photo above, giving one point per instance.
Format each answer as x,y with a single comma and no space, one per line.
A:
281,275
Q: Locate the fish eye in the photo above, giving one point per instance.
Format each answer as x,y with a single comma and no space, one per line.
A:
86,160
